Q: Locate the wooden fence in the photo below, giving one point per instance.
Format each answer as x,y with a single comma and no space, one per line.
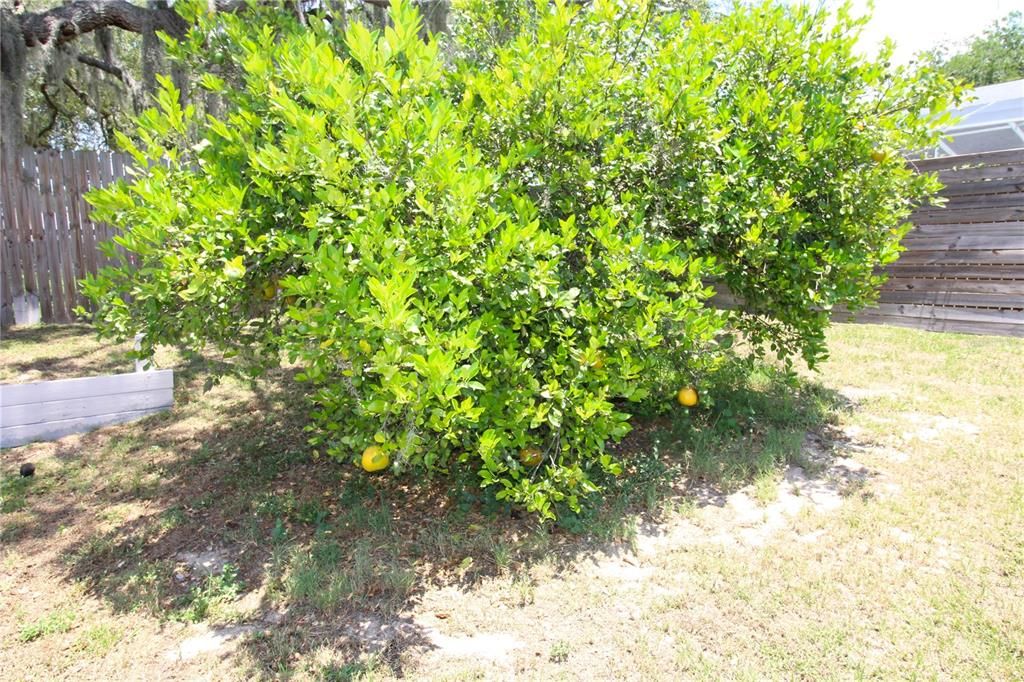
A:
48,241
963,268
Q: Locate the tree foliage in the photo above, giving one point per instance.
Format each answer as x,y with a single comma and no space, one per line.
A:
995,56
77,72
470,259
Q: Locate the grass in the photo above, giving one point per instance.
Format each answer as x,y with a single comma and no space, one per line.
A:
62,352
58,621
213,599
919,572
98,640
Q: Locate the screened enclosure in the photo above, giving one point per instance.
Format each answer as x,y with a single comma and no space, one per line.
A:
992,122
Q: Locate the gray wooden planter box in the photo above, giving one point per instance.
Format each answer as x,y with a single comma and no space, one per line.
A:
47,410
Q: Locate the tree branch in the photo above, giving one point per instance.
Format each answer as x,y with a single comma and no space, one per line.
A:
67,22
63,24
55,111
101,65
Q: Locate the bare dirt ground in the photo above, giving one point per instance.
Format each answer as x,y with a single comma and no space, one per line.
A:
871,527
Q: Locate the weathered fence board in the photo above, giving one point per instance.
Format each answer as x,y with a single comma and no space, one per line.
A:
959,286
1005,199
953,214
980,173
979,257
13,436
981,188
63,410
46,410
86,387
957,271
998,300
49,242
1010,157
966,242
933,324
955,230
935,312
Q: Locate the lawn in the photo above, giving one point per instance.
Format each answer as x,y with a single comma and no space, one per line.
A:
865,521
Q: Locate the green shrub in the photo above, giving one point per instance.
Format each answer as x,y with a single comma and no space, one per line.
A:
470,259
754,138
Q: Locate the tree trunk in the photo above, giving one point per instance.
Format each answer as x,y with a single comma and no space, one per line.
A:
435,16
152,56
12,86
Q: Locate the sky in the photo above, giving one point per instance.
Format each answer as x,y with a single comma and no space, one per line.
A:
918,25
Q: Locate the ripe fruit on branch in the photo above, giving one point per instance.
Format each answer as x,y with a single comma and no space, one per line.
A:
375,459
687,396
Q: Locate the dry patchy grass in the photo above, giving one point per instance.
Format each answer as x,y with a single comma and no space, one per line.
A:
132,542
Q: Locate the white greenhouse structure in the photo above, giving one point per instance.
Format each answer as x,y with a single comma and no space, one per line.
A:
993,121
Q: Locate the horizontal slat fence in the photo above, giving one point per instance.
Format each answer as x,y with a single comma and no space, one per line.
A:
48,241
963,267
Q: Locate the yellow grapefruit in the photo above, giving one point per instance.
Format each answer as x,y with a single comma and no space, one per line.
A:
879,155
375,459
687,396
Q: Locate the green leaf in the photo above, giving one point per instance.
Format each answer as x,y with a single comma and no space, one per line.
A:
234,268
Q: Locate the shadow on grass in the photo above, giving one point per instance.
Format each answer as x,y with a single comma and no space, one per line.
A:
67,351
45,333
227,477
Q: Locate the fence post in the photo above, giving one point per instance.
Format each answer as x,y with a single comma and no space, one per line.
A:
141,365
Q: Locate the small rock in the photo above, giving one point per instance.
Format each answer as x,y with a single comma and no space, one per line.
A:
210,641
480,646
211,562
274,617
795,474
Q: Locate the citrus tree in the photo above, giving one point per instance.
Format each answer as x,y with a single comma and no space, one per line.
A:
484,261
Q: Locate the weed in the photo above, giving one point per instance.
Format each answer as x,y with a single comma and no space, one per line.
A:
766,487
379,521
172,517
501,554
324,577
98,640
273,504
14,492
521,591
52,623
438,539
357,671
279,533
212,599
559,652
399,583
143,587
313,513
